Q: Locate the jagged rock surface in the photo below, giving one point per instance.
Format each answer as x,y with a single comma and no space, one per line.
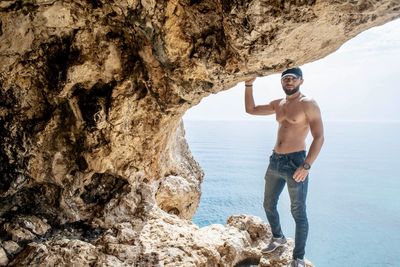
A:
162,238
91,99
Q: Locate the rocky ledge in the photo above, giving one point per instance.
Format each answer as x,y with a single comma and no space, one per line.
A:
161,240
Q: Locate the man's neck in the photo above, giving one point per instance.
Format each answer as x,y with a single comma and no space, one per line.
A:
294,96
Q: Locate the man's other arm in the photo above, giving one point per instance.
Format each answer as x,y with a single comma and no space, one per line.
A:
313,114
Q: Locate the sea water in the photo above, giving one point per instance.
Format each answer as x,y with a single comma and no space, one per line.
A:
353,199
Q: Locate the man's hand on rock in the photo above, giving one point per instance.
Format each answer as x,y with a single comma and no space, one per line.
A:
250,82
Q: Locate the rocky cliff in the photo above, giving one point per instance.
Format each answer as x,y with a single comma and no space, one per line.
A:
94,166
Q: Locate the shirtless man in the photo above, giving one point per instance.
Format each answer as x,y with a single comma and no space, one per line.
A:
289,163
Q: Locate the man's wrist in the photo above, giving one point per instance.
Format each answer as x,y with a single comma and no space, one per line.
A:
248,85
306,166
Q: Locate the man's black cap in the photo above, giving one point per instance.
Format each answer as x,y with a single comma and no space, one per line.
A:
293,72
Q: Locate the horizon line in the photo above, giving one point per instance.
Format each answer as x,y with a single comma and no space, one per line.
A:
273,120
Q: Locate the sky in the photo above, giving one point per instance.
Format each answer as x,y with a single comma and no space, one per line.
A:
358,82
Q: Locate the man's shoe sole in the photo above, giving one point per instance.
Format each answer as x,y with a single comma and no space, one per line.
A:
272,250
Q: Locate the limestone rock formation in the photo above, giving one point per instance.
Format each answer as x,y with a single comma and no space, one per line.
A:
162,238
91,99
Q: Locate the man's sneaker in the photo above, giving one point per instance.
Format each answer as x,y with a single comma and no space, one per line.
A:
297,263
274,244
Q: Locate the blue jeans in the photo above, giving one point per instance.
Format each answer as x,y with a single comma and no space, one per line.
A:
280,171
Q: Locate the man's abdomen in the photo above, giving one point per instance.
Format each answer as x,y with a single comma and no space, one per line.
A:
291,138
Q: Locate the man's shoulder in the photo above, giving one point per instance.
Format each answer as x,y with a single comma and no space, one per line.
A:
276,101
309,105
306,100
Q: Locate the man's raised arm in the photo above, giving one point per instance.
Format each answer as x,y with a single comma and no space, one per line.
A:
251,108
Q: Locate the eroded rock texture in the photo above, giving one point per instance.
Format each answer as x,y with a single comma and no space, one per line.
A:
94,167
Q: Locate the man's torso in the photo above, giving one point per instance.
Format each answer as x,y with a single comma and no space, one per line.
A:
293,125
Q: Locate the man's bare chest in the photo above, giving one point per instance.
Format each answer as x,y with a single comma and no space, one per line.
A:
290,111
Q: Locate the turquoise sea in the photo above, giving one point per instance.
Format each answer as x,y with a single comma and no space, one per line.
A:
354,190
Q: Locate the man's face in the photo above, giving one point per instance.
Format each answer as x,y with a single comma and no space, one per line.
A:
291,84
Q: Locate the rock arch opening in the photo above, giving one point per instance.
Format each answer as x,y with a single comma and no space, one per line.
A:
218,139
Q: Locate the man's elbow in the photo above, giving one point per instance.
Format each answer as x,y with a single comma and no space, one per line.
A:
250,111
321,139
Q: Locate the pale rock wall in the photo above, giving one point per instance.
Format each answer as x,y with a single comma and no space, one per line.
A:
91,99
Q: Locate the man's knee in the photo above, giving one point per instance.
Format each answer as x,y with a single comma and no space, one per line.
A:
269,205
299,212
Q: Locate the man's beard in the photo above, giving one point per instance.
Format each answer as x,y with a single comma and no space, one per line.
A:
291,92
